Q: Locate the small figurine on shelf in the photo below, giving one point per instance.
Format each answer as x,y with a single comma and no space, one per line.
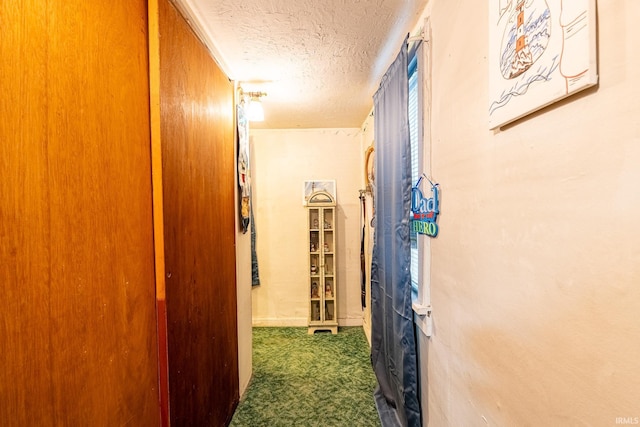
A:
326,247
315,223
313,246
314,269
327,290
314,290
327,225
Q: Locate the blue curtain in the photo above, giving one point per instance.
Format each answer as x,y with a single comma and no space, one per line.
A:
393,346
255,273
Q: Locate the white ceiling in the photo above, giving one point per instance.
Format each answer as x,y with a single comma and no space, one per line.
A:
320,61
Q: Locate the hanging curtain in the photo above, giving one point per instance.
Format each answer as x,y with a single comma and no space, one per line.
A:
363,269
255,274
393,346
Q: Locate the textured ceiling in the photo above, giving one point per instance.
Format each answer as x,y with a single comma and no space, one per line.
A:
320,61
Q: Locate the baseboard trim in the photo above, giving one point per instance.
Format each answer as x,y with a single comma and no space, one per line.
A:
300,322
281,322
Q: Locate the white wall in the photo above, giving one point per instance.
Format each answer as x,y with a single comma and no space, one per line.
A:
243,286
284,159
536,270
243,295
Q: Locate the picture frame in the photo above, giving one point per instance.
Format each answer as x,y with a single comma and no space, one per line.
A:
369,167
311,186
540,51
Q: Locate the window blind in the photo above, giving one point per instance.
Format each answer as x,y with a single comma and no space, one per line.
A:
415,159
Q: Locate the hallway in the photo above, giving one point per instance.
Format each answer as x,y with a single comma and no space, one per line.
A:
127,267
310,380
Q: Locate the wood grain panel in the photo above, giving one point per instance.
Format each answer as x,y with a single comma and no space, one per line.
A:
78,327
25,359
101,222
198,179
158,213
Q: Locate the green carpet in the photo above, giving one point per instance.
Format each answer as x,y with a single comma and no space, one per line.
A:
309,380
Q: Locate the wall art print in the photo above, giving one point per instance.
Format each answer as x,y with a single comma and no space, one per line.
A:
540,51
310,187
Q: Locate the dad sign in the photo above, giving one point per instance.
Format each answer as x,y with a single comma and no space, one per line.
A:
424,211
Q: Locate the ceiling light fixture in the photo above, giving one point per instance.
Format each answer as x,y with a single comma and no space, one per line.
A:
255,112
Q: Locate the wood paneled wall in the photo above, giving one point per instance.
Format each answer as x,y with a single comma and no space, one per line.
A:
77,310
196,104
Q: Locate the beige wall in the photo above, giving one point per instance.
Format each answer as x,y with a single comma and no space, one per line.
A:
367,141
243,289
284,159
536,270
243,283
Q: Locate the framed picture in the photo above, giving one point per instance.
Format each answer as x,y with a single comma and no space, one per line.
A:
540,51
310,187
369,167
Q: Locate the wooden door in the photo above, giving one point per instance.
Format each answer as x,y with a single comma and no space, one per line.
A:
77,307
196,108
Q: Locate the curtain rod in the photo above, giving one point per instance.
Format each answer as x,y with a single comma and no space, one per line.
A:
418,37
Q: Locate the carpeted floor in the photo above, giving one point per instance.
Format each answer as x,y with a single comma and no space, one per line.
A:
309,380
